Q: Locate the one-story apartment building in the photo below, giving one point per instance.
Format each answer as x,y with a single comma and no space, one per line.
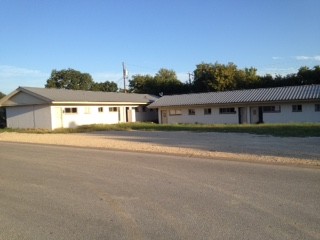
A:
48,108
265,105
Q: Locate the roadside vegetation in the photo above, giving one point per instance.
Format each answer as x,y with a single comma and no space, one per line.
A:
278,130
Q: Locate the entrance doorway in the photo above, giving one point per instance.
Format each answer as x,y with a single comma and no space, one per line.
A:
127,114
58,117
242,115
256,115
164,118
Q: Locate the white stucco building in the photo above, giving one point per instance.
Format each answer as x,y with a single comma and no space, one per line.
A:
46,108
266,105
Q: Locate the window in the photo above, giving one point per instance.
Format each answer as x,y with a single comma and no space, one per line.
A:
271,109
144,109
227,110
317,107
137,109
296,108
70,110
191,111
87,110
207,111
173,112
100,109
113,109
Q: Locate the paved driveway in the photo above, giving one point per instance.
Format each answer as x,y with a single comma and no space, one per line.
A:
305,148
51,192
247,147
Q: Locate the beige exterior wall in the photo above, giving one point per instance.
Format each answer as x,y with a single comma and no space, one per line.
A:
35,116
144,114
250,114
85,115
53,117
214,118
286,115
22,99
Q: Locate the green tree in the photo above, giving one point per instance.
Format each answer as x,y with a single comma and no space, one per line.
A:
2,95
69,79
266,81
2,113
204,79
167,82
141,84
164,82
215,77
309,76
104,87
247,78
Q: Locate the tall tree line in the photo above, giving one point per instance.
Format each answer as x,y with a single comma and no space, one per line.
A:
207,77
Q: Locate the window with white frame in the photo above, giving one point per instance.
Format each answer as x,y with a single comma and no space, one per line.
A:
207,111
113,109
230,110
87,110
297,108
317,107
271,109
100,109
70,110
173,112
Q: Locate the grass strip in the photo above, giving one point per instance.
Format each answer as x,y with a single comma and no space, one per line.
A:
278,130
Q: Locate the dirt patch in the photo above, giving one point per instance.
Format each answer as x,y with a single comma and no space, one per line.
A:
236,146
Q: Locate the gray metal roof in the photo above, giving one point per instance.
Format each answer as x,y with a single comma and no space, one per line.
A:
279,94
64,95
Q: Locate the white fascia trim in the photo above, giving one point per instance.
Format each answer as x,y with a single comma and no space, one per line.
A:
98,103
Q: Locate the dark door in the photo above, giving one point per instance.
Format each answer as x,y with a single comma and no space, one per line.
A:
242,115
260,115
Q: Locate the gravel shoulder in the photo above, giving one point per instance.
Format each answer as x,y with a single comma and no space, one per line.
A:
229,146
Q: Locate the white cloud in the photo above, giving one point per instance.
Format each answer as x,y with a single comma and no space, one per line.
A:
308,58
11,77
12,72
302,58
277,58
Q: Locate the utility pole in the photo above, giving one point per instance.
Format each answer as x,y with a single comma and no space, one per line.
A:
190,74
125,75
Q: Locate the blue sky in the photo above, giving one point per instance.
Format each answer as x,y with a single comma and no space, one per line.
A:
37,36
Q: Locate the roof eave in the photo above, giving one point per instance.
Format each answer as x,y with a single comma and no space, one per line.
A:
96,103
235,103
22,89
7,97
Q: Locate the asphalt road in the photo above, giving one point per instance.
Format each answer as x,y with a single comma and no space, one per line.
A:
49,192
